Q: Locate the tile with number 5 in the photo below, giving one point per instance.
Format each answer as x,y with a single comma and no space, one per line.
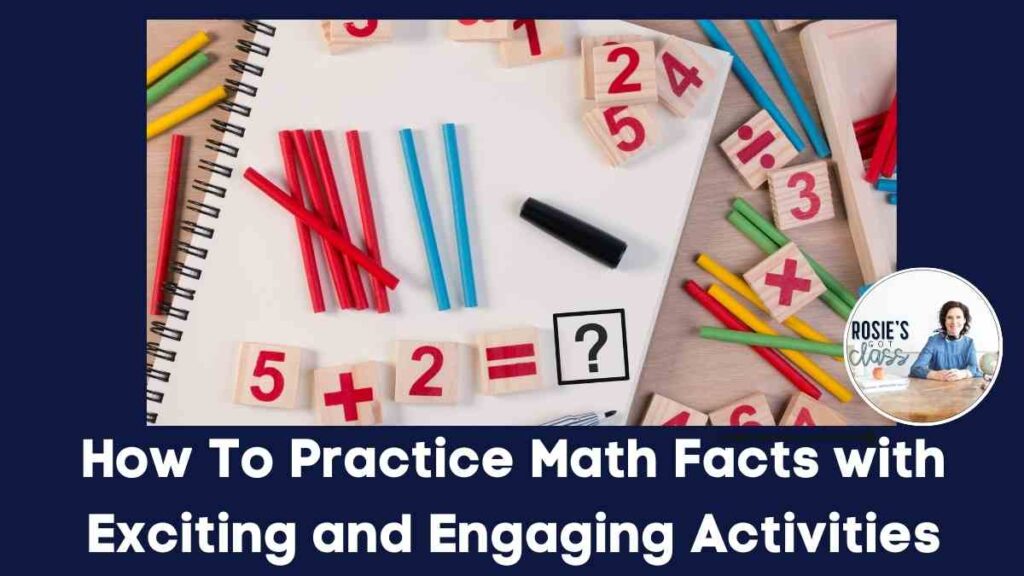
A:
268,375
426,372
622,132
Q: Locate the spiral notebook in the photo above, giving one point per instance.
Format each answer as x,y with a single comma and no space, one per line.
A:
521,135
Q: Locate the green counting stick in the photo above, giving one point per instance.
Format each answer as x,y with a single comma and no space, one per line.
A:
770,341
781,240
176,77
768,247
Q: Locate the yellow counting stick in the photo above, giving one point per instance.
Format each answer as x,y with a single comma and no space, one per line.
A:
738,285
177,56
185,111
799,359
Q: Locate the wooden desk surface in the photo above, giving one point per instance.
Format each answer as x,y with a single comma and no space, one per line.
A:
929,400
703,374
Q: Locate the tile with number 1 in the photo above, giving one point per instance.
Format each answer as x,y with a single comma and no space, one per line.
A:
426,372
532,41
268,375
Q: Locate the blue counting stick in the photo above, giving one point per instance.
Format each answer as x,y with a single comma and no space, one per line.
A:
748,79
451,147
886,185
789,87
891,199
419,197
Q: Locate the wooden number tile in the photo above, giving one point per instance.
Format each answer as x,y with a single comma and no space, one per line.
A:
532,41
426,372
624,73
587,44
785,282
347,395
333,46
268,375
360,31
803,410
750,411
781,25
682,76
665,412
509,361
757,147
801,195
481,30
622,132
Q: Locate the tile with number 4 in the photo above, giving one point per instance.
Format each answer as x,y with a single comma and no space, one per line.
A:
532,41
750,411
360,31
622,132
426,372
801,195
785,282
665,412
682,76
347,395
479,30
624,73
803,410
268,375
758,147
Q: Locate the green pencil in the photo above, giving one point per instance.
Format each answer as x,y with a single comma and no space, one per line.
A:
176,77
770,341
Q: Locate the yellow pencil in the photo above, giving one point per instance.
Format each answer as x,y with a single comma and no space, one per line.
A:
738,285
185,111
177,56
800,360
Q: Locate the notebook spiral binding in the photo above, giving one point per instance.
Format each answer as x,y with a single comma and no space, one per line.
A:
176,291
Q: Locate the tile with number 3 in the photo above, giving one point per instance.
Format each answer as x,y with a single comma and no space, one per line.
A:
622,132
268,375
801,195
426,372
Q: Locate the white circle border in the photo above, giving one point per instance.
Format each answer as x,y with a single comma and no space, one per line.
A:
846,350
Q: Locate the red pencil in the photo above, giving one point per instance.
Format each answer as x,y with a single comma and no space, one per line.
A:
885,140
321,227
334,264
890,160
291,173
355,281
773,357
355,156
870,123
167,224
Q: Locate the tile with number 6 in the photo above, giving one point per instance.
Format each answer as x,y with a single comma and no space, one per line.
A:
426,372
347,395
268,375
622,132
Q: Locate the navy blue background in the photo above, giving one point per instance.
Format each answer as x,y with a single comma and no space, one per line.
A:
75,298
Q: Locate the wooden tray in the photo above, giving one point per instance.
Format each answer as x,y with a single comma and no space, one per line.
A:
852,64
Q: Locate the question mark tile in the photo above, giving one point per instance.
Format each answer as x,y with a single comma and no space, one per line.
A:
591,346
426,372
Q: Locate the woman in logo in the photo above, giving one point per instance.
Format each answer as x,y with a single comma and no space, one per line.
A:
949,354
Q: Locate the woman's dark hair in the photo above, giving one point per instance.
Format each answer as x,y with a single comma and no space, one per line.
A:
945,310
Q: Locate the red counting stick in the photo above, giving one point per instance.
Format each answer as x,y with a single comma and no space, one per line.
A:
321,227
355,156
167,224
323,160
868,124
291,172
773,357
890,160
886,139
334,264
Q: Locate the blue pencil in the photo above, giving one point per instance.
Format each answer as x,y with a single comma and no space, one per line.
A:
886,185
419,197
892,199
747,77
451,147
792,94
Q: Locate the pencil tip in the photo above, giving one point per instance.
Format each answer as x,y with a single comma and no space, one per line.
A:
610,413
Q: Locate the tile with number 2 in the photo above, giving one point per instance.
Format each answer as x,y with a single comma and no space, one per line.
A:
426,372
624,73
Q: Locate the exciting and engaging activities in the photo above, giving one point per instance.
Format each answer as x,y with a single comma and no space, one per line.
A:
515,222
